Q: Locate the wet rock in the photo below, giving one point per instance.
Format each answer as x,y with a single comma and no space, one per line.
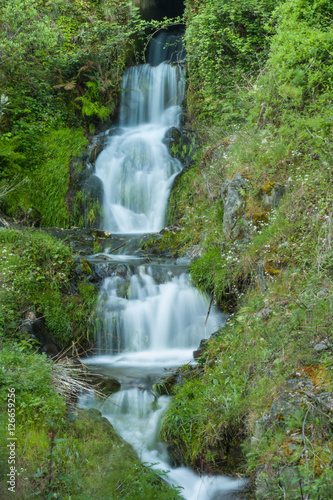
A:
98,144
105,385
91,201
81,241
35,327
181,145
83,269
235,226
164,385
172,139
201,350
123,288
203,345
102,270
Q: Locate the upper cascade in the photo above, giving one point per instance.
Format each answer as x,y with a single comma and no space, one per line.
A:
135,167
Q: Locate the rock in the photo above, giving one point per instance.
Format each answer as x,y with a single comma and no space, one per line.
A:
93,193
181,145
265,313
201,350
269,483
290,401
323,293
163,386
272,194
105,385
203,345
235,226
323,346
172,139
262,280
83,269
35,326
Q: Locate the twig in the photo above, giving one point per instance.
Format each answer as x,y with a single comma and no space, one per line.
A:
318,400
304,438
117,248
210,305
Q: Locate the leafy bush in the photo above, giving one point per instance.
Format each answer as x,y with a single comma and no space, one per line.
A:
227,45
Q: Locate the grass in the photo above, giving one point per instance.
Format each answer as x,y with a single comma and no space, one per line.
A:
41,271
278,290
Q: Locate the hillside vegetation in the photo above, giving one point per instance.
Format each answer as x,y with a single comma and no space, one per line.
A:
254,213
260,99
60,71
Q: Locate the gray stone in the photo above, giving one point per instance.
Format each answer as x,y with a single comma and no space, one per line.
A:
323,293
322,346
265,313
273,198
235,226
262,280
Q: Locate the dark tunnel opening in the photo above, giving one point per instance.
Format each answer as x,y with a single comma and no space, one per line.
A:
158,9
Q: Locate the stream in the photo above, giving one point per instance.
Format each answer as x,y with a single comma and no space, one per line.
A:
151,318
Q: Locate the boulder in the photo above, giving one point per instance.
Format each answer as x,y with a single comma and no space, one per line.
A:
235,226
35,327
181,145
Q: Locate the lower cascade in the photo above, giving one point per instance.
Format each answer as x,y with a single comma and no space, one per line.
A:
148,327
151,318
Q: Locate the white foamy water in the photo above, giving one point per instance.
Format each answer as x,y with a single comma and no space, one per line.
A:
156,326
136,168
151,318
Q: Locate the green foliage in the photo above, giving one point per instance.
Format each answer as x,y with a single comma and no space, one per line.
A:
83,459
226,44
298,78
10,158
90,105
50,183
277,100
39,270
30,374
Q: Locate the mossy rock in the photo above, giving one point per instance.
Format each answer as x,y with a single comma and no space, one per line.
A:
105,385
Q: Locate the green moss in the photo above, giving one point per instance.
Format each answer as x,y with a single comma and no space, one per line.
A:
268,188
89,460
51,181
40,270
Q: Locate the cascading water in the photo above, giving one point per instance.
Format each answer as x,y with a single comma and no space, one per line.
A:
136,168
151,317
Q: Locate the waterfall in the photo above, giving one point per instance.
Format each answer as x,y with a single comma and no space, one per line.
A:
135,167
151,317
